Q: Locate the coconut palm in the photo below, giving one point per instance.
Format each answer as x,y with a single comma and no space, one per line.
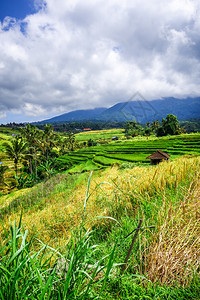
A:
47,140
15,150
31,133
71,141
154,125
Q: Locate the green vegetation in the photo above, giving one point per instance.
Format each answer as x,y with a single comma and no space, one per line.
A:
5,135
47,152
170,126
75,229
15,151
75,255
35,150
192,125
134,151
76,126
29,275
133,129
100,135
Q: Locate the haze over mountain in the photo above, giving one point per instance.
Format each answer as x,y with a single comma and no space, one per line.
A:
141,111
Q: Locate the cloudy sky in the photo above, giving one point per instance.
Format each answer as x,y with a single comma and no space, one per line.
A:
63,55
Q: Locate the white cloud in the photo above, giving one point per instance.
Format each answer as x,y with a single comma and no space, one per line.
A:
83,54
2,115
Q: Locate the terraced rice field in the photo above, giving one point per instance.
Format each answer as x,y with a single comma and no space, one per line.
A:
99,134
132,151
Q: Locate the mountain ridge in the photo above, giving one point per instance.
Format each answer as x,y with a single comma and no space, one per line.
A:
141,111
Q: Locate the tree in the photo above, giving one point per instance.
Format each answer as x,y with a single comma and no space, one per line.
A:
91,143
132,128
71,141
47,140
15,150
31,133
170,126
154,125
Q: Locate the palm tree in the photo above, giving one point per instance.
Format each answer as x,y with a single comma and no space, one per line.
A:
31,133
15,150
154,125
61,145
47,140
71,141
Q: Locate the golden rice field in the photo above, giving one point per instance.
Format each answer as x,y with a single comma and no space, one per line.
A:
100,134
166,196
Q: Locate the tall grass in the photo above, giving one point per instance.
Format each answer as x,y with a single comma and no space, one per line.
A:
174,253
26,274
23,274
166,196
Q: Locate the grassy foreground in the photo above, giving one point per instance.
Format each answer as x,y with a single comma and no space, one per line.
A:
88,225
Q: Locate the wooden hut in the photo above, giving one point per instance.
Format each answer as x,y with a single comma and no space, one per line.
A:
157,157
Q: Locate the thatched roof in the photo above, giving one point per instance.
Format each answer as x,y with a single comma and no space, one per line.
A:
158,155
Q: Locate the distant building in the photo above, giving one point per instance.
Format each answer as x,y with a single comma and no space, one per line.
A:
115,138
157,157
86,129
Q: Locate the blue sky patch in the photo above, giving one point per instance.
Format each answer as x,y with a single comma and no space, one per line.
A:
18,9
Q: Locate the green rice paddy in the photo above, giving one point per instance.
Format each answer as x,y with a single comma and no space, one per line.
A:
132,151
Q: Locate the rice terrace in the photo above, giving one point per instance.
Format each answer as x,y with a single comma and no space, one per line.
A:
99,150
84,215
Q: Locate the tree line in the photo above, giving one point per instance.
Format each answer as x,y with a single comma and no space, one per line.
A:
35,150
168,126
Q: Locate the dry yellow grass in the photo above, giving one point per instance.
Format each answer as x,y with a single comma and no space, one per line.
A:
114,187
173,248
174,254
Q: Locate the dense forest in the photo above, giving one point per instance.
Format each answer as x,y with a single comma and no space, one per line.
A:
192,125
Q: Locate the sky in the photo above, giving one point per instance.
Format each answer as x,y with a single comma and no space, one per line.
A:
64,55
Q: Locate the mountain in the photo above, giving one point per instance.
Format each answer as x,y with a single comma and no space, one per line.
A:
141,111
77,115
144,111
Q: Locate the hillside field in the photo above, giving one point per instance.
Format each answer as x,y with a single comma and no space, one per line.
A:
99,135
68,237
164,262
132,151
